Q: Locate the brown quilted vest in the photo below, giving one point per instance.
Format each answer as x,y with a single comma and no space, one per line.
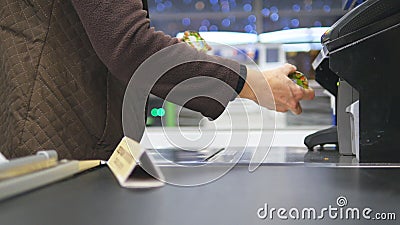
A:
54,91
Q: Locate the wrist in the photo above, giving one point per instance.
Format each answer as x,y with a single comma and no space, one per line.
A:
247,91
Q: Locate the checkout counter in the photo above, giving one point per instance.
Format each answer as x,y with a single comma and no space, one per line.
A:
361,54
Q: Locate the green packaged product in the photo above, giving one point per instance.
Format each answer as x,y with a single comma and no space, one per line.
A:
300,79
194,39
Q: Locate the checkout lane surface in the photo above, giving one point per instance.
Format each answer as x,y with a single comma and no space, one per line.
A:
95,197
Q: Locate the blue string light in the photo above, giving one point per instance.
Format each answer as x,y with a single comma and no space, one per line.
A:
203,28
226,22
296,8
265,11
274,9
213,28
295,22
160,7
186,22
248,28
252,18
327,8
317,24
205,23
247,7
274,17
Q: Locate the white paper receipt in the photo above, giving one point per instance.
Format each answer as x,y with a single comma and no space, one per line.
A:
2,158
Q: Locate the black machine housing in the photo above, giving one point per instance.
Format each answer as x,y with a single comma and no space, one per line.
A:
363,49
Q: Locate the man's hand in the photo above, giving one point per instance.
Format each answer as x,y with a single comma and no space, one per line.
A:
274,90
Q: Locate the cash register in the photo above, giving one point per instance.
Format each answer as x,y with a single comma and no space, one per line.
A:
360,65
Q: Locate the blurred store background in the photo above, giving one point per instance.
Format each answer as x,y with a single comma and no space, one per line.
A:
268,32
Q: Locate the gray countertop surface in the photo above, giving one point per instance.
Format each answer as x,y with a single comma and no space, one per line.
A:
95,197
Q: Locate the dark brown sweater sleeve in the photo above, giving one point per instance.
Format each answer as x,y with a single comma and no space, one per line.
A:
120,34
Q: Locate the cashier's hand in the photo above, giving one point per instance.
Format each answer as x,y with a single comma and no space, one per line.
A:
274,90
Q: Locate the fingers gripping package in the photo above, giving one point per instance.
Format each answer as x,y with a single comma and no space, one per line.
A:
300,79
194,39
